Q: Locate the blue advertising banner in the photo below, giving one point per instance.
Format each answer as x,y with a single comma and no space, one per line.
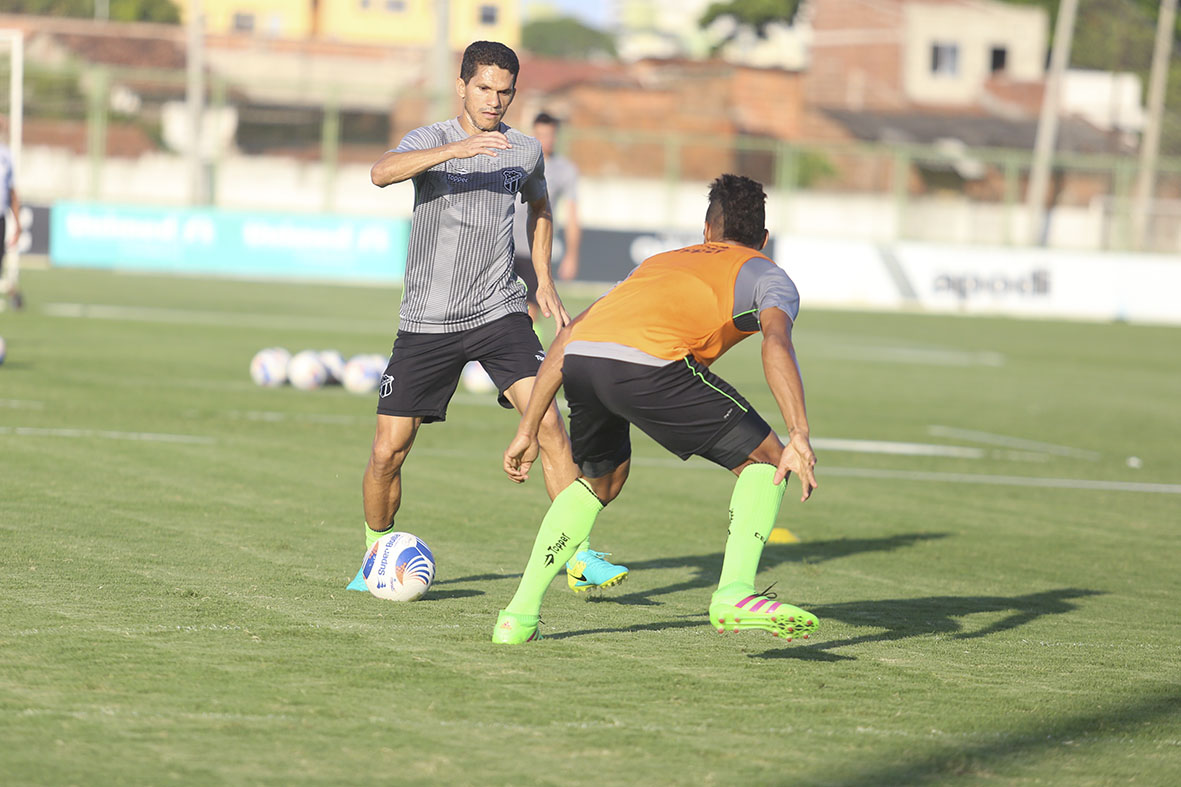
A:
206,240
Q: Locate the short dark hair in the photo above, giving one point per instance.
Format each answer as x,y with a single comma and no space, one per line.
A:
488,53
546,119
737,210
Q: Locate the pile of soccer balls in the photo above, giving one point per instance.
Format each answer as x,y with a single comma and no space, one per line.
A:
311,369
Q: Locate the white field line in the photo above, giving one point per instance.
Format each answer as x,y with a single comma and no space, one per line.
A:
1007,480
898,449
267,416
921,449
828,346
950,478
95,311
988,438
147,437
22,404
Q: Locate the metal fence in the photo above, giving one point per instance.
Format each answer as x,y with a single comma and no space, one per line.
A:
892,192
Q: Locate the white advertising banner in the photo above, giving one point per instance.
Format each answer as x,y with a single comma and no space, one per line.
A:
984,280
838,273
1043,282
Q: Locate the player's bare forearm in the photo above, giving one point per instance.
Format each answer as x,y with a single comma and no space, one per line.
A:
787,386
523,449
781,369
395,166
545,386
540,229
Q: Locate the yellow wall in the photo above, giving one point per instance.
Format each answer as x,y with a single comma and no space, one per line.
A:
350,20
407,22
272,18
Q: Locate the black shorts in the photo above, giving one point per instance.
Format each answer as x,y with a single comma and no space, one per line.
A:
523,267
683,406
424,368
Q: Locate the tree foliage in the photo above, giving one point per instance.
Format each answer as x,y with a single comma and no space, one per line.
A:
1118,36
120,10
753,13
567,37
1100,11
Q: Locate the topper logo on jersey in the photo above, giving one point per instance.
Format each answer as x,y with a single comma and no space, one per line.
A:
512,179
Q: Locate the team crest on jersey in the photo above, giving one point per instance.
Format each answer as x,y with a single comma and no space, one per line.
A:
512,179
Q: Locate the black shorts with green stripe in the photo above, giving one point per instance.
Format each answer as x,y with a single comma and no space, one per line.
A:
683,406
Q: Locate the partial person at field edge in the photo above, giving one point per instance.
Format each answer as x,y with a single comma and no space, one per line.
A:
461,301
640,356
9,201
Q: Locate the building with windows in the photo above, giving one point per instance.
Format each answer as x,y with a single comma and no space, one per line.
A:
893,54
392,22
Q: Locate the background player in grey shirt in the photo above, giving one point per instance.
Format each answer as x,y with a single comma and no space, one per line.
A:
461,300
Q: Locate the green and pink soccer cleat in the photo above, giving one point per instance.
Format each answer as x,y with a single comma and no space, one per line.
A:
750,610
512,629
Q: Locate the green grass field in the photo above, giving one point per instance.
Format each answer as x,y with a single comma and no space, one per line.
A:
174,545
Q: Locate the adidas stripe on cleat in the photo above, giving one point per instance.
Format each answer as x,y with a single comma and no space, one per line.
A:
762,612
512,629
588,570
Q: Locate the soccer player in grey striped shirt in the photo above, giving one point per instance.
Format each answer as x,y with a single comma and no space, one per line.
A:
461,300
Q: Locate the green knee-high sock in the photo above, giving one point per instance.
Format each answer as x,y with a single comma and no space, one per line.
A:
566,524
753,508
372,535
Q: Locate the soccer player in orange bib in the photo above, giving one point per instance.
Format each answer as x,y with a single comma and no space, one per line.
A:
640,356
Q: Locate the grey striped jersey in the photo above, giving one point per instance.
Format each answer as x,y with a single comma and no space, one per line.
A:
459,268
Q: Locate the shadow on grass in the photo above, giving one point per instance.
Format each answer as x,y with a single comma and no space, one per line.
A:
698,620
705,569
916,617
443,595
901,619
475,578
961,759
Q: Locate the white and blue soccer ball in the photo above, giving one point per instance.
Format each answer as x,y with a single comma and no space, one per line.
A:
361,374
3,349
475,379
268,367
306,371
334,364
282,353
399,567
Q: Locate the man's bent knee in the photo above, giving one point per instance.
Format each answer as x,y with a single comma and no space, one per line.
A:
767,452
391,444
607,487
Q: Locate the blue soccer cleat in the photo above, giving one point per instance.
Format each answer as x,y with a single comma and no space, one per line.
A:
358,582
588,570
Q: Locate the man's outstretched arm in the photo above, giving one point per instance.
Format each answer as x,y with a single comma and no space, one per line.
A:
522,451
787,386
